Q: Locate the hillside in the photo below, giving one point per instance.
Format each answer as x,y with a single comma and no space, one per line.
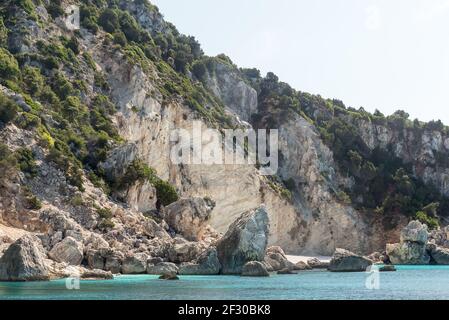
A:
85,124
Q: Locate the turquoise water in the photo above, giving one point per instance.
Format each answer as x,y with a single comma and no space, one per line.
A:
409,282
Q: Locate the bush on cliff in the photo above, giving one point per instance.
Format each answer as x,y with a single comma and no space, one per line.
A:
8,109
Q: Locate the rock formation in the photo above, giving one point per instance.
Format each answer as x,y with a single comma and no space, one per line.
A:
346,261
245,241
207,264
24,260
254,269
412,248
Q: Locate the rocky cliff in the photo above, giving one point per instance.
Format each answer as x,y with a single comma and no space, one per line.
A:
87,118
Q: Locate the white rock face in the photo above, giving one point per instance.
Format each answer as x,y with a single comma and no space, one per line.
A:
142,196
238,96
314,222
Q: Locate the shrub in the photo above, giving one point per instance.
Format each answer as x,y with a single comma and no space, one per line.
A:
7,161
77,201
109,20
61,86
33,203
26,5
8,109
120,39
104,213
28,121
432,223
3,33
165,192
33,79
106,224
26,160
54,9
9,67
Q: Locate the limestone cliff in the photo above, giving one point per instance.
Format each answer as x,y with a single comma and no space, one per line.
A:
153,89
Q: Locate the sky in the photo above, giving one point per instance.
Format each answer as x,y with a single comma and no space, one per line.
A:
383,54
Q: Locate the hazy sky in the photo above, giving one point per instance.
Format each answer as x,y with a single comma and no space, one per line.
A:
385,54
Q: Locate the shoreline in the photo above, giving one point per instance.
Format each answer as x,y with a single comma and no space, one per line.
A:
304,258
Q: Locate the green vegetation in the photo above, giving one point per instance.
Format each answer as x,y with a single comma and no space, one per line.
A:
383,183
431,222
33,203
8,161
9,67
138,171
27,163
105,222
8,109
3,33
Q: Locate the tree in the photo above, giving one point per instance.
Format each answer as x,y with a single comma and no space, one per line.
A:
9,68
129,27
109,20
8,109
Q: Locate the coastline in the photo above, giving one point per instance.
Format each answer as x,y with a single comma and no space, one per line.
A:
304,258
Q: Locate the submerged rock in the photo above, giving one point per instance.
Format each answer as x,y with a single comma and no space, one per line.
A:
286,271
169,276
346,261
24,260
387,268
254,269
245,241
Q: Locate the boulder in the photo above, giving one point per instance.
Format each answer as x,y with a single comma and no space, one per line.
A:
376,257
346,261
245,241
153,230
408,253
135,263
315,263
68,250
95,259
301,266
162,268
96,275
169,276
113,262
415,232
207,264
276,249
254,269
440,255
184,252
24,260
189,217
277,261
